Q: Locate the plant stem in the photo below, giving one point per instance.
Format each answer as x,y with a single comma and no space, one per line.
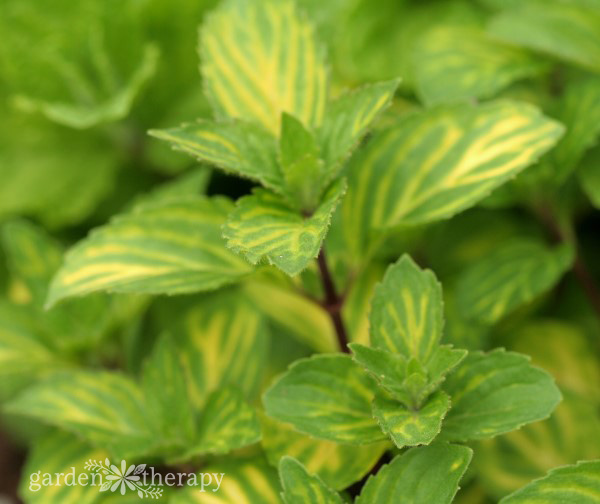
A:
580,269
333,302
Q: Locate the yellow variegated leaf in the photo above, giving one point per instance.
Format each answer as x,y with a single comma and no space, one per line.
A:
168,247
263,225
106,409
463,62
301,487
250,481
339,465
578,483
235,146
223,340
512,275
259,59
406,311
439,162
303,318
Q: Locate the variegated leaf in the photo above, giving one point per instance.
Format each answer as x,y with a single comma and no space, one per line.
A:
441,161
509,277
427,474
170,247
106,409
406,311
408,427
347,120
263,225
235,146
338,465
241,481
328,397
578,483
300,487
566,30
495,393
227,422
260,59
453,63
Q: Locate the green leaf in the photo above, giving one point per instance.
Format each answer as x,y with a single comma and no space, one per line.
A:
328,397
171,247
223,340
495,393
567,31
24,354
302,169
58,453
235,146
410,427
246,481
304,319
426,474
106,409
227,423
579,110
579,483
510,276
165,396
338,465
90,75
300,487
264,226
348,119
455,63
406,311
441,161
260,59
589,176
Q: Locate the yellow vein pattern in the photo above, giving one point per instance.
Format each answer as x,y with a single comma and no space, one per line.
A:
496,393
259,59
104,408
168,247
223,341
406,311
411,427
441,161
458,62
309,394
338,465
245,481
510,276
428,474
300,487
244,149
263,225
579,483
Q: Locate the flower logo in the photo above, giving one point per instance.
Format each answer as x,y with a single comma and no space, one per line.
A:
123,478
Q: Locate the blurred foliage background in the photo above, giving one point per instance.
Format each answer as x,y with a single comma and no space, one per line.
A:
82,82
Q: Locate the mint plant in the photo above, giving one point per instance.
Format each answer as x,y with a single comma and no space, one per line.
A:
351,261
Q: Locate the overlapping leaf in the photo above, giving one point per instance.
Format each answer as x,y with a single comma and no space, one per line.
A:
260,59
328,397
439,162
462,62
425,474
510,276
300,487
579,483
566,30
338,465
263,225
496,393
171,247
